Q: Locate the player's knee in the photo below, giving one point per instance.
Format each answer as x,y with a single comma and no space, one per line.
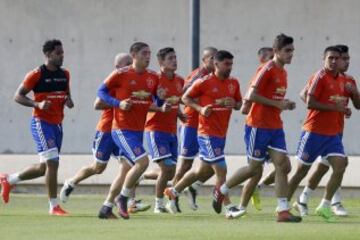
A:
42,169
288,167
99,168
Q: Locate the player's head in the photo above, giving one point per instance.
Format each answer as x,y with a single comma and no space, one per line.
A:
122,60
54,52
167,59
265,54
344,60
208,58
283,48
140,52
223,61
331,58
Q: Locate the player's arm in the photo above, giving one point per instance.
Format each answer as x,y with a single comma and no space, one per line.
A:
355,97
312,103
303,94
280,104
68,100
21,98
101,105
189,96
182,116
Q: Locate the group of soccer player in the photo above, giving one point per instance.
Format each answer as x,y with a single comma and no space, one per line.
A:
137,102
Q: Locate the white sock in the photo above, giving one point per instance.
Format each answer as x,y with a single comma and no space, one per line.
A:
304,196
196,185
325,203
224,189
159,201
53,202
125,192
70,183
176,193
283,204
108,204
336,198
14,178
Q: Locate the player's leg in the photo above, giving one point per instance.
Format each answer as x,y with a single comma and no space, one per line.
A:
250,191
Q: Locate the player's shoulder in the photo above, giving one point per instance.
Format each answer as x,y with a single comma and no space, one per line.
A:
206,78
151,72
348,77
179,77
233,79
123,70
35,72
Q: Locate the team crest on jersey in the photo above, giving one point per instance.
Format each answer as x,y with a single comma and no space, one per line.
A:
231,88
150,83
305,156
349,87
99,154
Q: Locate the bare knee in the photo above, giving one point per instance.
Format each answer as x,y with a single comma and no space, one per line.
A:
99,168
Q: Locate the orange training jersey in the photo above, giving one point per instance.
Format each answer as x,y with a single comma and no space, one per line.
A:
52,86
270,82
327,89
192,116
139,87
349,83
166,122
211,90
106,118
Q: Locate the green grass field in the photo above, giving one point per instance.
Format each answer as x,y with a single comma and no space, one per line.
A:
25,217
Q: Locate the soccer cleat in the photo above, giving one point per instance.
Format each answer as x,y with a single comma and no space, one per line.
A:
160,209
218,199
121,203
5,188
234,212
65,192
138,206
326,213
171,204
58,211
301,208
339,210
255,199
177,204
106,213
286,216
191,193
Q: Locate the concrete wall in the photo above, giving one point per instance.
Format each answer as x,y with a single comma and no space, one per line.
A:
93,31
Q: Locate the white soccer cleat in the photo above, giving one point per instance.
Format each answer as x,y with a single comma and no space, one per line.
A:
171,206
191,194
65,192
302,208
234,212
339,210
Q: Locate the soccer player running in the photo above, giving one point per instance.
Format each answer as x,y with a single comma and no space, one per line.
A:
189,146
103,148
217,94
161,124
51,88
264,129
135,88
351,92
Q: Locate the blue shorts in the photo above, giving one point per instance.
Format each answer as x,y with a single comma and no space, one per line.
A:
313,145
130,144
259,140
104,147
162,146
211,149
189,146
48,139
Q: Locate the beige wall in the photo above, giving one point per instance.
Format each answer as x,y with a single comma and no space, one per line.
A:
94,31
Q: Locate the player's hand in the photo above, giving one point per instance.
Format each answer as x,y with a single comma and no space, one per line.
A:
166,107
43,105
126,104
69,102
340,107
161,93
245,108
206,111
348,113
229,102
286,104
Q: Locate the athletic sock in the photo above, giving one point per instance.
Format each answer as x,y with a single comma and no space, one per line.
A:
304,196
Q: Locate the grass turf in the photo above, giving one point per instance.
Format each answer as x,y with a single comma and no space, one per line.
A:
25,217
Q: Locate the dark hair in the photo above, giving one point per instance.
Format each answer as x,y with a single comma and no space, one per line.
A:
161,54
137,47
263,49
50,45
332,49
281,41
342,48
221,55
